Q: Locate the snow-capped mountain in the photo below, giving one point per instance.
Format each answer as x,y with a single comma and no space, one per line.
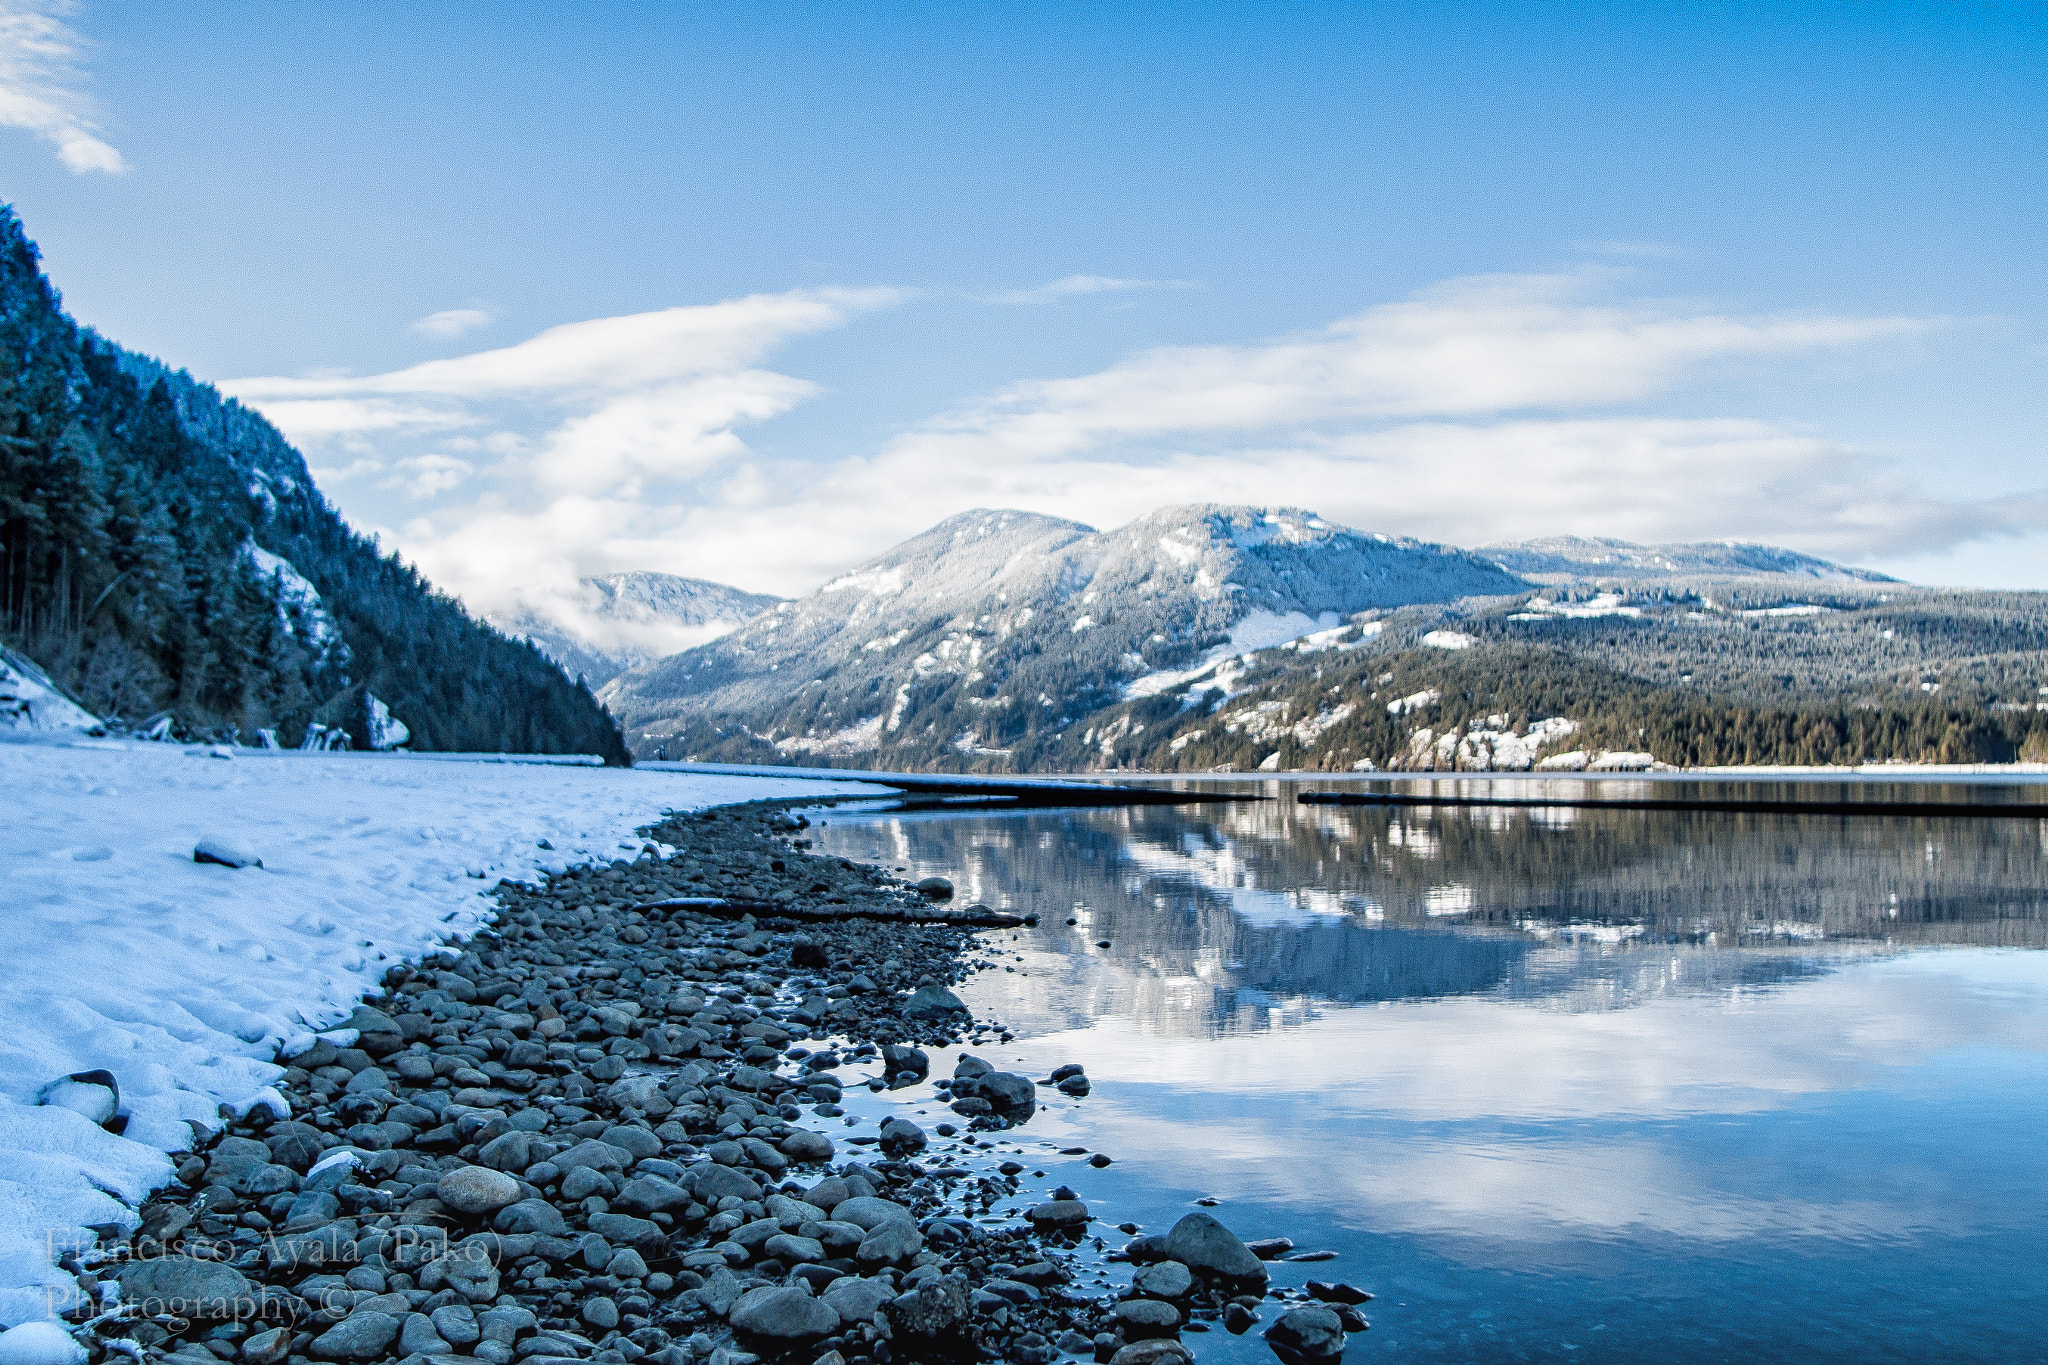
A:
995,629
617,621
1576,559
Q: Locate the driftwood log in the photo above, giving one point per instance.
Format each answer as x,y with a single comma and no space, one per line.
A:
727,907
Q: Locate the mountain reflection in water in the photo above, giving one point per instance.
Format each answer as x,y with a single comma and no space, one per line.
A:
1227,911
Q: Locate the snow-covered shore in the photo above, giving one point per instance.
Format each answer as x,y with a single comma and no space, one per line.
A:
119,952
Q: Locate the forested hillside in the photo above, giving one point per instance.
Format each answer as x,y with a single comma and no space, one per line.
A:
165,556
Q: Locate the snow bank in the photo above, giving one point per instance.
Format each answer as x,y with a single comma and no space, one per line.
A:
118,951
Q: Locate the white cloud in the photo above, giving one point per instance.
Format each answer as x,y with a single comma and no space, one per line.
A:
1470,347
450,323
1071,286
1482,410
40,80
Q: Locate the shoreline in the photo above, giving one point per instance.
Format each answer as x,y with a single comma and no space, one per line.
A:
585,1139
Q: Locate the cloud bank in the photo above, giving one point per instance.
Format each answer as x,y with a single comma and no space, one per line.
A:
1484,409
40,84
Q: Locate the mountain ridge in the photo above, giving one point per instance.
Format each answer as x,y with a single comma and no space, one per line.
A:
166,558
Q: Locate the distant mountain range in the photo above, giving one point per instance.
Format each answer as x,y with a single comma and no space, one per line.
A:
620,620
1578,559
1206,637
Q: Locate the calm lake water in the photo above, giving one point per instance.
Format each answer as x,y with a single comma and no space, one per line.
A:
1556,1085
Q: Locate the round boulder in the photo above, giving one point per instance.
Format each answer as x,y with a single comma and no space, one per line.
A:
783,1314
1201,1243
1140,1318
477,1190
1313,1335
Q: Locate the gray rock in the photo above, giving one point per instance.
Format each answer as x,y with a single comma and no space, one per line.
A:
1014,1097
1157,1351
469,1274
901,1135
891,1242
783,1314
934,1312
1201,1243
601,1313
646,1194
622,1229
626,1264
753,1236
369,1080
808,1147
795,1250
187,1287
855,1299
456,1323
1167,1280
870,1213
935,888
598,1156
267,1348
898,1058
503,1325
418,1337
827,1193
752,1078
839,1238
932,1002
1056,1215
507,1152
1140,1318
718,1293
477,1190
582,1182
534,1216
1312,1333
635,1141
711,1182
763,1157
359,1336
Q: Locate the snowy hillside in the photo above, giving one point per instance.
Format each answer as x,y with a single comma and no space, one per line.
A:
183,978
997,629
617,621
1573,559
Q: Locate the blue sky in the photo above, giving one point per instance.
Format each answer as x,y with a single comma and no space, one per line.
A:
1471,272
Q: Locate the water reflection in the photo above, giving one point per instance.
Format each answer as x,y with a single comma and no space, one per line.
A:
1567,1085
1216,914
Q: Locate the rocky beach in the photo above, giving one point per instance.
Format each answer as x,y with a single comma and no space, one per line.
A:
613,1128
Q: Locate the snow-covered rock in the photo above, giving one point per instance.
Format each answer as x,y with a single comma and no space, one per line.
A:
30,702
386,731
299,606
183,980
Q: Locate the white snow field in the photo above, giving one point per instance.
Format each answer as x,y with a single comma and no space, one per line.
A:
119,952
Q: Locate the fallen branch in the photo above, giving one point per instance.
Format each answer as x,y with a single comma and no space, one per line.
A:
726,907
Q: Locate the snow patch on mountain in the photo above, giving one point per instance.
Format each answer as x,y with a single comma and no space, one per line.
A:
299,607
